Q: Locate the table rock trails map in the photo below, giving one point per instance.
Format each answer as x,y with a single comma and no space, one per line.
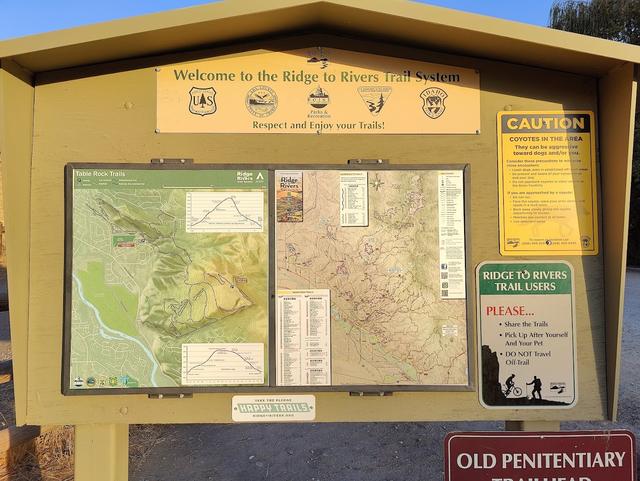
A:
389,324
153,269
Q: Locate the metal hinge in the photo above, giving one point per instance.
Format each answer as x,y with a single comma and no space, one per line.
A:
367,161
163,161
170,396
371,393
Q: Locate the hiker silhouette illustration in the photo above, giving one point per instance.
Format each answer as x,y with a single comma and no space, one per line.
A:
537,387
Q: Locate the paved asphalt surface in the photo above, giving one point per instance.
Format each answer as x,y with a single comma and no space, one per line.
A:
341,452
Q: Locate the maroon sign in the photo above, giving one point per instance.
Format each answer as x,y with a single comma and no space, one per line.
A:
557,456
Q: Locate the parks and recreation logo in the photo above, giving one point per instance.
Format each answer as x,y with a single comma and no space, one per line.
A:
261,101
433,102
375,98
319,98
202,101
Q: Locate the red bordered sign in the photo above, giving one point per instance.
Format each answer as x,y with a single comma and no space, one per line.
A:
556,456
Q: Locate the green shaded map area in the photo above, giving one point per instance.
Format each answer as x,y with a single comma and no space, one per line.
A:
118,304
142,285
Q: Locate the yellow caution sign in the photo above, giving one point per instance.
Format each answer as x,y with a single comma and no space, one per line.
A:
547,183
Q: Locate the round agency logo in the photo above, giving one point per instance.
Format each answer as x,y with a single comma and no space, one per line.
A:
433,102
91,381
261,101
319,98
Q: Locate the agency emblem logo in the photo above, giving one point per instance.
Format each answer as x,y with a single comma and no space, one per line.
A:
319,98
261,101
318,58
375,98
202,101
323,61
433,102
513,242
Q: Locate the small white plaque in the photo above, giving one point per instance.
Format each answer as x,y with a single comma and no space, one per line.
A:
273,408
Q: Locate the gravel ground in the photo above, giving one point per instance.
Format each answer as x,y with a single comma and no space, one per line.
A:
340,452
7,410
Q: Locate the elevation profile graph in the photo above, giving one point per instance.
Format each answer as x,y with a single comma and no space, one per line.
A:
222,363
225,211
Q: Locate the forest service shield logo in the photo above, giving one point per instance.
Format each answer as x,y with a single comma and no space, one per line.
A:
202,101
433,102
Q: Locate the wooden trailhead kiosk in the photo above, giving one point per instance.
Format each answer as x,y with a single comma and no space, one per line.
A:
324,211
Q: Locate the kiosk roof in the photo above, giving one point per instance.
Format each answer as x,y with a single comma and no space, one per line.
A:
398,21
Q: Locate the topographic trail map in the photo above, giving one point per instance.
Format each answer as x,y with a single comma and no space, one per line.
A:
169,283
391,320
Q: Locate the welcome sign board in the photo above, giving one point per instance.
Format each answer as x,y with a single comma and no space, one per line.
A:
317,90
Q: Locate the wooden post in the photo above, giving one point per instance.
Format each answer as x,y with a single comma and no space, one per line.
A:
617,100
102,452
17,97
532,426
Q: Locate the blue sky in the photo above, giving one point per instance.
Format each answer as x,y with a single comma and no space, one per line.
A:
26,17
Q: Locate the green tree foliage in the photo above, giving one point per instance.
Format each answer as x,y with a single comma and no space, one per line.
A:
617,20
